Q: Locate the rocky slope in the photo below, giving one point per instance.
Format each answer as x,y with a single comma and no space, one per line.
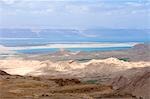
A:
135,81
28,87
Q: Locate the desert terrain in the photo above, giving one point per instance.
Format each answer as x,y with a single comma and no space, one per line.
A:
123,74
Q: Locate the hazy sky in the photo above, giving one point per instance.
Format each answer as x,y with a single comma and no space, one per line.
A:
75,13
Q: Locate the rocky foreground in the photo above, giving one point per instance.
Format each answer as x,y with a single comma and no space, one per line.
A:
28,87
96,79
83,75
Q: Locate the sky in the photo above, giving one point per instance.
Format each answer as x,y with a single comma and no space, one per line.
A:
75,14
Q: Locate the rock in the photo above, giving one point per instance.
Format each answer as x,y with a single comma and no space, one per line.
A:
135,81
3,73
63,82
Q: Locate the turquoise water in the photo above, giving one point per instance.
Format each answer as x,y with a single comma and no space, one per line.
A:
14,38
38,42
47,50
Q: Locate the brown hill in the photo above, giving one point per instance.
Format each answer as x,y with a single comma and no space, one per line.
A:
135,81
3,73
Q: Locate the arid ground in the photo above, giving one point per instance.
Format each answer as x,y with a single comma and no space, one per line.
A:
65,75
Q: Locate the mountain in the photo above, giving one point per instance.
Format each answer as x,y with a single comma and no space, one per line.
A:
78,35
120,78
17,33
135,81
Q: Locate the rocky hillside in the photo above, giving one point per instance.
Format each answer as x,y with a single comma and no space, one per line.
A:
21,87
135,81
120,78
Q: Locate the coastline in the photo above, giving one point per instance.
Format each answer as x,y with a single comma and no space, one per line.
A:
75,45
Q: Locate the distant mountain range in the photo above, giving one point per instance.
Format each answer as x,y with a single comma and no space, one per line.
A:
78,35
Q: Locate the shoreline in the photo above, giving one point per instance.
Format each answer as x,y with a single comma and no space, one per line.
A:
75,45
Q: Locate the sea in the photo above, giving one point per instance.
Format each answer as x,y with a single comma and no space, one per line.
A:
52,40
48,50
39,46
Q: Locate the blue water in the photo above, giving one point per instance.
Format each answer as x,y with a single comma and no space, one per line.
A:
47,50
37,42
26,37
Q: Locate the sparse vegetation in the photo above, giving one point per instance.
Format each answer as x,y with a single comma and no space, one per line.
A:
91,81
124,59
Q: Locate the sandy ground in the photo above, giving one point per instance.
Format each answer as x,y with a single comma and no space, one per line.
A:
33,67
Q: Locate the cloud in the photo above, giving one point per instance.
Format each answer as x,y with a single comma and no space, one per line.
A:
9,2
77,8
80,13
72,6
41,12
135,4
